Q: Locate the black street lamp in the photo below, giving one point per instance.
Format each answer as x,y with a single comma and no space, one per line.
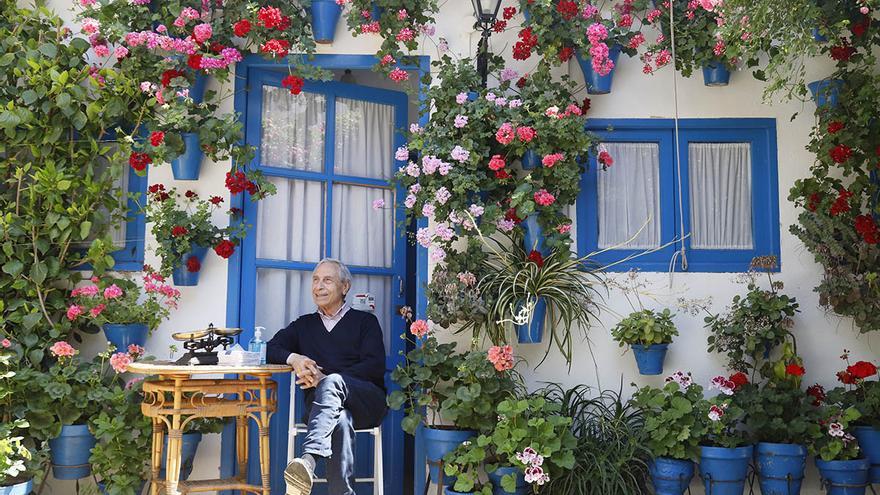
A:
486,11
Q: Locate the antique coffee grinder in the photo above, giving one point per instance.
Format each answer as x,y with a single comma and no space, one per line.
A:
201,344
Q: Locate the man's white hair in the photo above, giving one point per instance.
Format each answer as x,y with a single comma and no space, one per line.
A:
344,272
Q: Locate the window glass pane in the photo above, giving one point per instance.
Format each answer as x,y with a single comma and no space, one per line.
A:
282,296
379,286
720,195
290,224
361,235
629,197
293,129
364,139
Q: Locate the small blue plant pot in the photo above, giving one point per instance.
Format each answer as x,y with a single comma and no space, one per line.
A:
817,36
188,165
724,470
376,11
825,92
23,488
325,16
533,331
844,477
522,488
181,275
123,335
649,358
530,160
449,491
598,84
670,476
869,444
187,455
780,467
533,239
70,452
438,443
197,90
716,74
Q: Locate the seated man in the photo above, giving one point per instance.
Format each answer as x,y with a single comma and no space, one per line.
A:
338,355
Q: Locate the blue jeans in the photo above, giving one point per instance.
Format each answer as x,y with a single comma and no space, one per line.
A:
338,406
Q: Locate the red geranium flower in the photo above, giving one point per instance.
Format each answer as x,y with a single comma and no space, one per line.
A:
157,137
814,201
241,28
170,74
585,106
216,200
510,214
565,53
521,83
835,127
818,393
238,182
841,204
178,230
739,379
794,369
845,378
502,174
235,212
224,248
840,153
194,62
862,370
139,161
193,264
536,258
156,188
278,48
269,17
842,53
605,159
294,83
508,13
499,26
190,194
567,9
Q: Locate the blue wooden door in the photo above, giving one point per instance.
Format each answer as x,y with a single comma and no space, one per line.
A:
329,151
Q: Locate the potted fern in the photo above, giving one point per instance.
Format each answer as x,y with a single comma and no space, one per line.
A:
649,334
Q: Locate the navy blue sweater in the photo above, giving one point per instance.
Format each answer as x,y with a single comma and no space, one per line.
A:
354,347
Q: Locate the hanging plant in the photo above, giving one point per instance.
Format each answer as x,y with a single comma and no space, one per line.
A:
400,24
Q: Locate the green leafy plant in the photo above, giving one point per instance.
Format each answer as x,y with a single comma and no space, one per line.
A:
14,455
833,442
858,390
453,294
121,301
722,416
465,463
673,427
645,327
611,455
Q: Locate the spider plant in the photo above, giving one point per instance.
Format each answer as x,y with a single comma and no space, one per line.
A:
517,280
611,455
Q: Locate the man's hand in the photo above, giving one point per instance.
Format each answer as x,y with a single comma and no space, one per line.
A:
308,373
310,379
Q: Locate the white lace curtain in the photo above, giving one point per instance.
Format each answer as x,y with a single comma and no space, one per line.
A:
629,197
720,195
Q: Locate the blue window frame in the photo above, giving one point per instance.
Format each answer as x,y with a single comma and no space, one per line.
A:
675,206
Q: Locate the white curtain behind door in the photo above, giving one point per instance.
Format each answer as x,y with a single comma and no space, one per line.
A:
721,195
629,197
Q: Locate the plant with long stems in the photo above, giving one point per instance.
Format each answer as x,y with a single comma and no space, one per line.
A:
642,326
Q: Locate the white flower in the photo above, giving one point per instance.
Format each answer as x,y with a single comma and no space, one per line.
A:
836,430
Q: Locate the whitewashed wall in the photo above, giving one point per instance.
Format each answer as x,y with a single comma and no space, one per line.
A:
821,336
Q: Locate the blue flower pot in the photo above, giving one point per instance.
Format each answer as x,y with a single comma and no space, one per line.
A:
181,275
376,11
716,74
825,92
522,488
818,36
670,476
530,160
533,331
780,468
844,477
724,470
650,358
23,488
533,239
449,491
188,165
325,16
70,452
438,443
187,455
869,444
596,84
103,488
197,90
123,335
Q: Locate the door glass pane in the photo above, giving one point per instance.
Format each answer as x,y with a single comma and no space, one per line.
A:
629,197
361,235
293,129
282,297
290,224
378,286
721,195
364,139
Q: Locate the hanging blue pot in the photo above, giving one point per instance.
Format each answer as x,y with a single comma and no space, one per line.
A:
103,488
70,452
449,491
440,442
376,11
522,488
825,92
650,358
780,468
325,16
533,239
869,444
530,160
181,275
187,455
124,334
670,476
188,165
597,84
817,36
844,477
23,488
197,90
716,74
724,470
533,331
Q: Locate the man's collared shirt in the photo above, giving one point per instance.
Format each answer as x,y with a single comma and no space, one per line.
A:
330,321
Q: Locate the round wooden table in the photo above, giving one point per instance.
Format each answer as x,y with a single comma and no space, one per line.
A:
176,398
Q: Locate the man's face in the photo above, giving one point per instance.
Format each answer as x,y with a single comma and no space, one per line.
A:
328,291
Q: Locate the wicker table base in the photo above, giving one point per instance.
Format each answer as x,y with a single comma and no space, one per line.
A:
176,399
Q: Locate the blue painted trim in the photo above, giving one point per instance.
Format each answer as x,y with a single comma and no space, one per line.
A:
760,132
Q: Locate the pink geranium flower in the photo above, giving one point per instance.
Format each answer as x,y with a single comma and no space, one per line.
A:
419,328
501,357
62,349
74,311
112,292
120,362
544,198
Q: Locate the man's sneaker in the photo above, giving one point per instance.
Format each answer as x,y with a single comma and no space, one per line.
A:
298,477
